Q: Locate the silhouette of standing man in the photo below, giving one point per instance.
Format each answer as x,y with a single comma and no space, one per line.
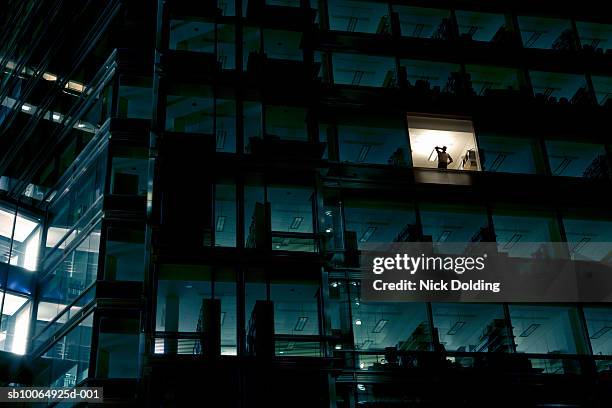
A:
444,159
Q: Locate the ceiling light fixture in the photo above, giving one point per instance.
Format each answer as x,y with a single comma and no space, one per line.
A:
601,332
512,241
367,234
455,328
301,323
297,221
380,325
529,330
220,225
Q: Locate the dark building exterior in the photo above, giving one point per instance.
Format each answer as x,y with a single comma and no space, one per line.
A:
186,185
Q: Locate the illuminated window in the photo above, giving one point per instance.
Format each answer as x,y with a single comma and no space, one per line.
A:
443,143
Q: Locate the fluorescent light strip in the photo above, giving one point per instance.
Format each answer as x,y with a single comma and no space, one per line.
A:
366,344
601,332
301,323
444,236
529,330
220,225
581,244
513,240
363,153
297,221
367,234
456,327
380,325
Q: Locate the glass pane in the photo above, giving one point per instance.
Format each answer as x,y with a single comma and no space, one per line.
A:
283,45
510,154
577,159
553,87
287,123
377,325
479,26
443,143
472,327
374,142
364,70
135,98
225,215
295,307
15,323
180,291
589,238
118,348
291,217
594,36
69,357
358,16
546,33
190,109
526,233
485,79
125,253
7,221
129,174
431,75
421,22
599,324
378,222
452,223
546,329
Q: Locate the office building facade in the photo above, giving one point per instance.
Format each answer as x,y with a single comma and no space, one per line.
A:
186,186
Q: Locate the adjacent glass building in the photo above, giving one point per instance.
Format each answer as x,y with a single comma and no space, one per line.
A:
186,186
